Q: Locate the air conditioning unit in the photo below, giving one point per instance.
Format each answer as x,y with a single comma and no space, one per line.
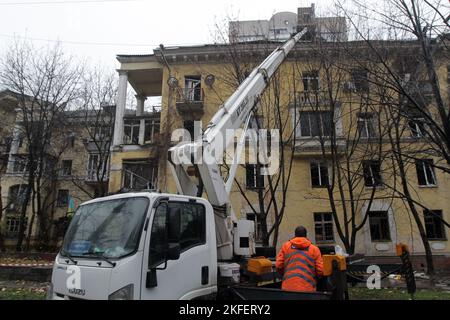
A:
349,86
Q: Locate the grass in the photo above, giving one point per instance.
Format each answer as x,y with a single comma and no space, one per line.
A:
355,294
9,260
22,293
397,294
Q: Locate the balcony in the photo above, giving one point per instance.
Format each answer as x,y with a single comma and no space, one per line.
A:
311,146
190,103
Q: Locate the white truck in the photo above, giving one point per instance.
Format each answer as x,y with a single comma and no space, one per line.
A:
151,245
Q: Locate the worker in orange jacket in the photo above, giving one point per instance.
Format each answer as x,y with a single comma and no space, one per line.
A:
300,263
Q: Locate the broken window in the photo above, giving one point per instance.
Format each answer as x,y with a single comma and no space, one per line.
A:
254,178
360,80
315,124
367,125
310,81
193,88
131,131
97,169
16,197
372,173
323,226
152,128
433,225
319,175
425,172
66,169
417,127
140,174
379,226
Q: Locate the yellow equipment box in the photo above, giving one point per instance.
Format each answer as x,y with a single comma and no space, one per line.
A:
259,265
328,264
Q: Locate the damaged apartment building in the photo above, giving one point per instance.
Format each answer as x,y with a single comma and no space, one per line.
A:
194,81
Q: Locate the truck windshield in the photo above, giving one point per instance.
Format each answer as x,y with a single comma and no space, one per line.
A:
110,229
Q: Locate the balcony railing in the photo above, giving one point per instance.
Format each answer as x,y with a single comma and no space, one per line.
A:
190,95
190,102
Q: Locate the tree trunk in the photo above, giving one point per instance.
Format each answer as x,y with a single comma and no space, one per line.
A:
23,214
2,243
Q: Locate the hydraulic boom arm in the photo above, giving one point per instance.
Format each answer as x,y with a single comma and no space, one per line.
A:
202,153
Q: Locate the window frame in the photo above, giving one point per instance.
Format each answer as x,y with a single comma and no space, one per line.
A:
132,125
379,220
322,224
63,168
311,79
368,164
322,127
151,124
366,119
258,180
320,165
360,79
17,220
423,166
182,250
430,214
152,169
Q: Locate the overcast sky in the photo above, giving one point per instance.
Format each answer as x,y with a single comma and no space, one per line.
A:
100,29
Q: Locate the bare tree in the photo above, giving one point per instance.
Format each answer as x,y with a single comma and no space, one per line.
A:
405,72
46,81
421,31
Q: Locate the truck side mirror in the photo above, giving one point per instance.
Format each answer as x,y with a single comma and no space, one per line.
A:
173,225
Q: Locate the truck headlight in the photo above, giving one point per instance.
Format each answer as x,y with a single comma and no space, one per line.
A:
126,293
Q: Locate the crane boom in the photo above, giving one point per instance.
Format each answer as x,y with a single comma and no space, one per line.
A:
201,153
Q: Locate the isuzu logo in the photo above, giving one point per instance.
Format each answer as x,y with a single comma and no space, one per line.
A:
78,292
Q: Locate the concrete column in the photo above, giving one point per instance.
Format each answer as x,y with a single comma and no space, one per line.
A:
142,132
140,112
120,108
140,105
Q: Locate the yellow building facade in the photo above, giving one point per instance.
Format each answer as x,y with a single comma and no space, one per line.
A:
193,82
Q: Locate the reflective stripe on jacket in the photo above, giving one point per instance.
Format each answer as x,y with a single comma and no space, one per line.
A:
300,262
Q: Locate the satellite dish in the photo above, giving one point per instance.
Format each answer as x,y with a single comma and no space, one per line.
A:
172,82
210,79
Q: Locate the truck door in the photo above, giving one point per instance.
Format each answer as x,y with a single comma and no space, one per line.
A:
189,276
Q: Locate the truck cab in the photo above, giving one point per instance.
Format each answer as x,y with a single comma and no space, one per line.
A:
138,246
